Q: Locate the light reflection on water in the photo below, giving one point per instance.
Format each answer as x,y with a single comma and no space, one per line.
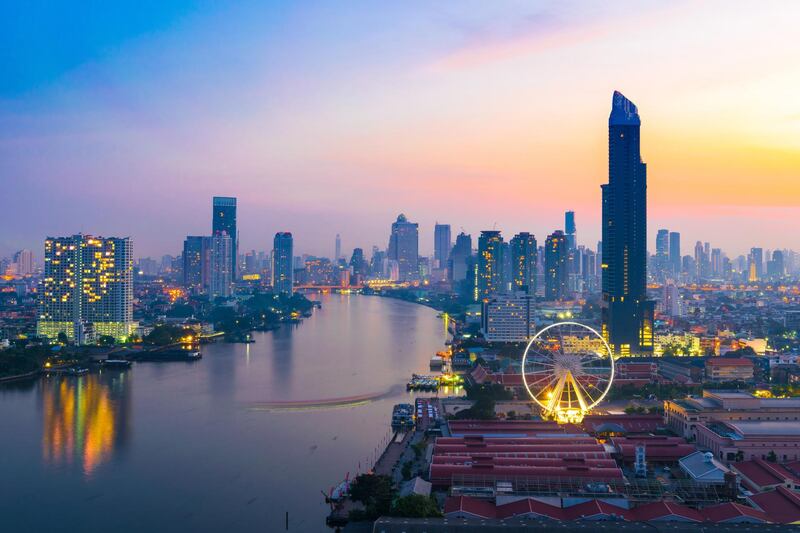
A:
83,420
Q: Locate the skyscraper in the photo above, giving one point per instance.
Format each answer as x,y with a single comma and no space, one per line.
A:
197,263
338,250
627,314
523,262
221,285
556,256
441,245
224,220
282,263
756,264
459,256
490,263
87,286
675,252
569,230
404,248
661,259
23,262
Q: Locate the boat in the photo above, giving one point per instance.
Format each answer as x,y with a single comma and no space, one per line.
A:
116,363
76,371
169,355
403,415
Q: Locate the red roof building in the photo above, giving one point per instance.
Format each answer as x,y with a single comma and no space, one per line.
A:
780,505
532,509
659,449
466,507
734,513
666,512
759,475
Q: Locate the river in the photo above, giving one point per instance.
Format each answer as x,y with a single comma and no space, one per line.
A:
229,443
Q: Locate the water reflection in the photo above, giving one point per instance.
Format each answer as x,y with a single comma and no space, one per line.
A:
84,419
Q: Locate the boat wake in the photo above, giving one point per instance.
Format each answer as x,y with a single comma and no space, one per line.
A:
325,403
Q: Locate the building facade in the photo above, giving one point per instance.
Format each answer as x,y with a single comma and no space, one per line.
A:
490,264
508,318
87,285
556,259
524,254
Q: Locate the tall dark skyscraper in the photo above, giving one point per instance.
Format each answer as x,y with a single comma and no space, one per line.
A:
490,263
556,256
224,220
441,244
675,252
197,263
627,314
459,257
282,263
570,230
523,262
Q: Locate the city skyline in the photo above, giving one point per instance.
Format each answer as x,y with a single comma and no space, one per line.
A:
722,148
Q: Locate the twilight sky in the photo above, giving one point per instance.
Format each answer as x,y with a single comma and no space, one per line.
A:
326,117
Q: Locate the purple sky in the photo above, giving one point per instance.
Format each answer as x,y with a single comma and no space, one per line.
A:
327,118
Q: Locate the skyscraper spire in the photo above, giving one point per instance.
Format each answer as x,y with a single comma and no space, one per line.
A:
623,111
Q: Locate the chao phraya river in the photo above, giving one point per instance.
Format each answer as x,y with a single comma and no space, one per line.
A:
229,443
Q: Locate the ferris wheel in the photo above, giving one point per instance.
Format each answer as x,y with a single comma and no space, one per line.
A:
567,369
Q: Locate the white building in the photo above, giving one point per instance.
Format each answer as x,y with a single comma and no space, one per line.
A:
509,318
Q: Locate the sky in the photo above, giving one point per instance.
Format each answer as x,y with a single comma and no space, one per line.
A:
125,118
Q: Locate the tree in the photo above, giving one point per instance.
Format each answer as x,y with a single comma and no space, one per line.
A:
772,457
106,340
62,337
416,506
406,470
375,492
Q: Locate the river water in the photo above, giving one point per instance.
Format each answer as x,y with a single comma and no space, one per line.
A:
229,443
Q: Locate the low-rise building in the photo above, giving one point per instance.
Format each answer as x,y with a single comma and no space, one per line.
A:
722,369
759,475
683,416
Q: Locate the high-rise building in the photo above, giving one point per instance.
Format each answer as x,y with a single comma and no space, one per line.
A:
756,264
358,264
570,230
627,314
490,264
441,245
556,267
716,262
675,252
196,263
224,220
776,267
87,286
523,262
23,262
459,256
338,250
282,263
661,259
508,318
404,248
221,285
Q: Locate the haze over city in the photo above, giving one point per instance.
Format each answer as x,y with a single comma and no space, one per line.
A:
480,114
